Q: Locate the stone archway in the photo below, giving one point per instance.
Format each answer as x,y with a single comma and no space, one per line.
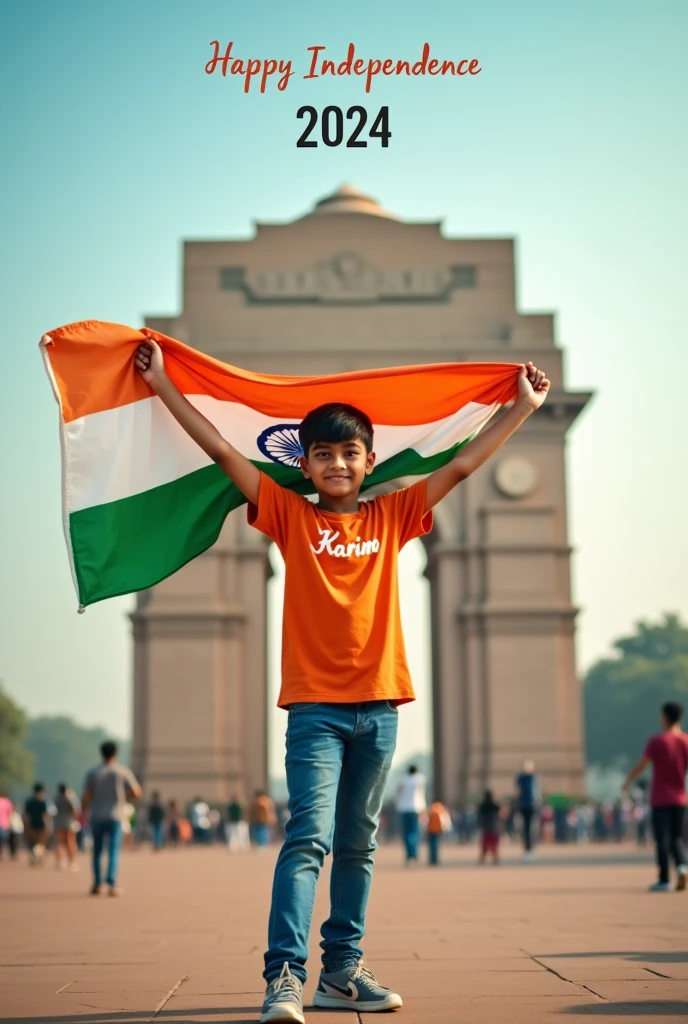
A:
351,286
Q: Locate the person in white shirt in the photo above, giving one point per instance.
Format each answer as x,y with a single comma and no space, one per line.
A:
199,816
410,805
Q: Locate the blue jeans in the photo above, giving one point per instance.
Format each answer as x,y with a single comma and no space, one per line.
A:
433,848
411,832
261,834
158,835
99,831
338,760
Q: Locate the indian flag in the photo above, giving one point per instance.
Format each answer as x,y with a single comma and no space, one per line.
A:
140,498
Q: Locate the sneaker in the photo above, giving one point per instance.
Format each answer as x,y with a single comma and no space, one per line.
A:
283,999
114,890
682,879
661,887
95,890
354,986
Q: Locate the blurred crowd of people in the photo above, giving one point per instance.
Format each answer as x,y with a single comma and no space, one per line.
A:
111,812
526,818
60,825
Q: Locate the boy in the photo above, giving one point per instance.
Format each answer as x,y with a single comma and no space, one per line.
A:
667,752
344,669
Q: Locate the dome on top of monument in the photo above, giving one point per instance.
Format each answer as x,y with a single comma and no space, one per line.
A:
349,199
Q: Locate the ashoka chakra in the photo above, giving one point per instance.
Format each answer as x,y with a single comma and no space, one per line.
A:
280,443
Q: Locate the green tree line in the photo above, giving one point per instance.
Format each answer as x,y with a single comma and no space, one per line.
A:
49,748
623,694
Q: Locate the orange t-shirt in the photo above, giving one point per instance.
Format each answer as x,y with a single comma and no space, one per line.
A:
263,811
437,818
341,631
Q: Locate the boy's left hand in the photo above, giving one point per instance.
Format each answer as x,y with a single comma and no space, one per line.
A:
532,386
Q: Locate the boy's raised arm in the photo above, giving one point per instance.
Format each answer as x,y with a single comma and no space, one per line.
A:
532,391
150,364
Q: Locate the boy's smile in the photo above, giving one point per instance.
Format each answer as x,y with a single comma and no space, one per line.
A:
338,470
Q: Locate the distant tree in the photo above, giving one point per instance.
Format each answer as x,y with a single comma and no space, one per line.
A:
15,761
64,750
623,695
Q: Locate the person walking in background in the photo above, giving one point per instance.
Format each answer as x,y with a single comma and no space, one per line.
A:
237,827
439,822
173,822
410,805
199,816
36,824
106,789
6,809
618,822
488,823
641,814
67,808
667,752
16,832
156,821
528,803
263,818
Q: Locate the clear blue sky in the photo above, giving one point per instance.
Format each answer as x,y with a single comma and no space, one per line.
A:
572,139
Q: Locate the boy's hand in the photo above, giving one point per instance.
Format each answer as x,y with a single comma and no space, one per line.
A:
149,362
532,386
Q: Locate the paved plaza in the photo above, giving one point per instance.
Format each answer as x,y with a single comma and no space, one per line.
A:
574,934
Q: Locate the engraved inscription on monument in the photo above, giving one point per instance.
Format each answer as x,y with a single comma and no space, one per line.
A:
347,278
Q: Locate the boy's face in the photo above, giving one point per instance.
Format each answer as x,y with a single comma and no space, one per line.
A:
338,468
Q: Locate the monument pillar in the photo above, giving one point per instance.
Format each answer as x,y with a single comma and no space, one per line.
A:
504,680
200,665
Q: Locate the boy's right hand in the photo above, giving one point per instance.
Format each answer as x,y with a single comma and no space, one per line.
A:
149,362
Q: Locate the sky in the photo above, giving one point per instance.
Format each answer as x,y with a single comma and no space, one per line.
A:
117,146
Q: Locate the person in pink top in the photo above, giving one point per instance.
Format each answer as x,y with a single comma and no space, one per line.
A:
667,752
6,808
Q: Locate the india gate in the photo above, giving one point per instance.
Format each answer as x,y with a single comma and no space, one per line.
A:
350,286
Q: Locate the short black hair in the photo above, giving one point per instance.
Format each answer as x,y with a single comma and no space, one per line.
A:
334,423
38,787
62,788
412,769
672,711
108,749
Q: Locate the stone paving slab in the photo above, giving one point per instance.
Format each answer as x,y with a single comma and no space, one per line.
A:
574,934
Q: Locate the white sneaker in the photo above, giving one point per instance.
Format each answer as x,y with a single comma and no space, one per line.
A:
283,999
356,987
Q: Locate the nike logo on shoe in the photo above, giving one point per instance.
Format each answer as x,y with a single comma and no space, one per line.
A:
328,987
